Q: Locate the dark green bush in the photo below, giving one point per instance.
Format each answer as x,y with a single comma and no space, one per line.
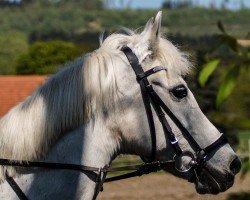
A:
44,57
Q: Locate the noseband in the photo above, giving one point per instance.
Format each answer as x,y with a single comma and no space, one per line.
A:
150,97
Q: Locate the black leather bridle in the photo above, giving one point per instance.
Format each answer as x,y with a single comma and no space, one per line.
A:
150,97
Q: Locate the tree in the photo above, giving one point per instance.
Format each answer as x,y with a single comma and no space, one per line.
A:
44,57
172,4
5,3
86,4
13,44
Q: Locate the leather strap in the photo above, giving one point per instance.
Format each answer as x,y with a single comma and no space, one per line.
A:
16,188
134,62
174,119
166,127
49,165
138,170
149,93
149,72
216,144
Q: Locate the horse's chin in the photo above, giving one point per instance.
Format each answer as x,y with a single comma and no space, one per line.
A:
208,184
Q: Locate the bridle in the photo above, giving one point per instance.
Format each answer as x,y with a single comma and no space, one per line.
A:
150,97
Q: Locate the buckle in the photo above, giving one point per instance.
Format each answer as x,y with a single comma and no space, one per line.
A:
201,156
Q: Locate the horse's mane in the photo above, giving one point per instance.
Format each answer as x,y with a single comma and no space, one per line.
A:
71,97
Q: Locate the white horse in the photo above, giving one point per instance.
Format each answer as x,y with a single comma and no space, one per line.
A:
92,111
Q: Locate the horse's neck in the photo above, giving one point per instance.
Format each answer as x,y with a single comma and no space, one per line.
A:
97,146
91,145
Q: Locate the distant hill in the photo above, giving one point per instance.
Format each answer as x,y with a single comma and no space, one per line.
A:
71,19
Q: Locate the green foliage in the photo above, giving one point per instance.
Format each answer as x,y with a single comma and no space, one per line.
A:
234,111
242,61
43,57
221,27
207,70
227,39
70,21
12,44
227,85
72,17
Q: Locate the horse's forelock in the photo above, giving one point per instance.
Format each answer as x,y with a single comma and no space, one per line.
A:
176,62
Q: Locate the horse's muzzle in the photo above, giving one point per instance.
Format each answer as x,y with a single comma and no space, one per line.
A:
211,182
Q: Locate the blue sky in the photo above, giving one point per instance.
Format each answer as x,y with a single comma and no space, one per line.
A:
232,4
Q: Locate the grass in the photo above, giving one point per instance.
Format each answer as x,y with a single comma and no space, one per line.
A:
124,160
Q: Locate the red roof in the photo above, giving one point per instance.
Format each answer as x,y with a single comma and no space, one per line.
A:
14,89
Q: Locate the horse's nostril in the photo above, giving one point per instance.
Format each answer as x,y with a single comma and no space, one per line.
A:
235,166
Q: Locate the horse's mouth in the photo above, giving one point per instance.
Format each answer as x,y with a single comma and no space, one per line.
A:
208,184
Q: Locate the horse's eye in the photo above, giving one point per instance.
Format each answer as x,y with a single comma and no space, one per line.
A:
179,92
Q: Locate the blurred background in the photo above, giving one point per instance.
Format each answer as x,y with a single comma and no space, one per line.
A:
38,36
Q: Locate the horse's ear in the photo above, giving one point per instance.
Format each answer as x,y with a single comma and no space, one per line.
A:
152,29
156,28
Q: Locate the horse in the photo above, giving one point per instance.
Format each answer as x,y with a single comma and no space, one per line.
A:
94,110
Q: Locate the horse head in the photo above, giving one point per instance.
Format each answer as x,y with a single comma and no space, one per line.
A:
190,127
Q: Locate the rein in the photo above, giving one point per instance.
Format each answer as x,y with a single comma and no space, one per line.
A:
150,97
98,173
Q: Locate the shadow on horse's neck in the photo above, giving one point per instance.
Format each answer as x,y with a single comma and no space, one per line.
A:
89,145
30,129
